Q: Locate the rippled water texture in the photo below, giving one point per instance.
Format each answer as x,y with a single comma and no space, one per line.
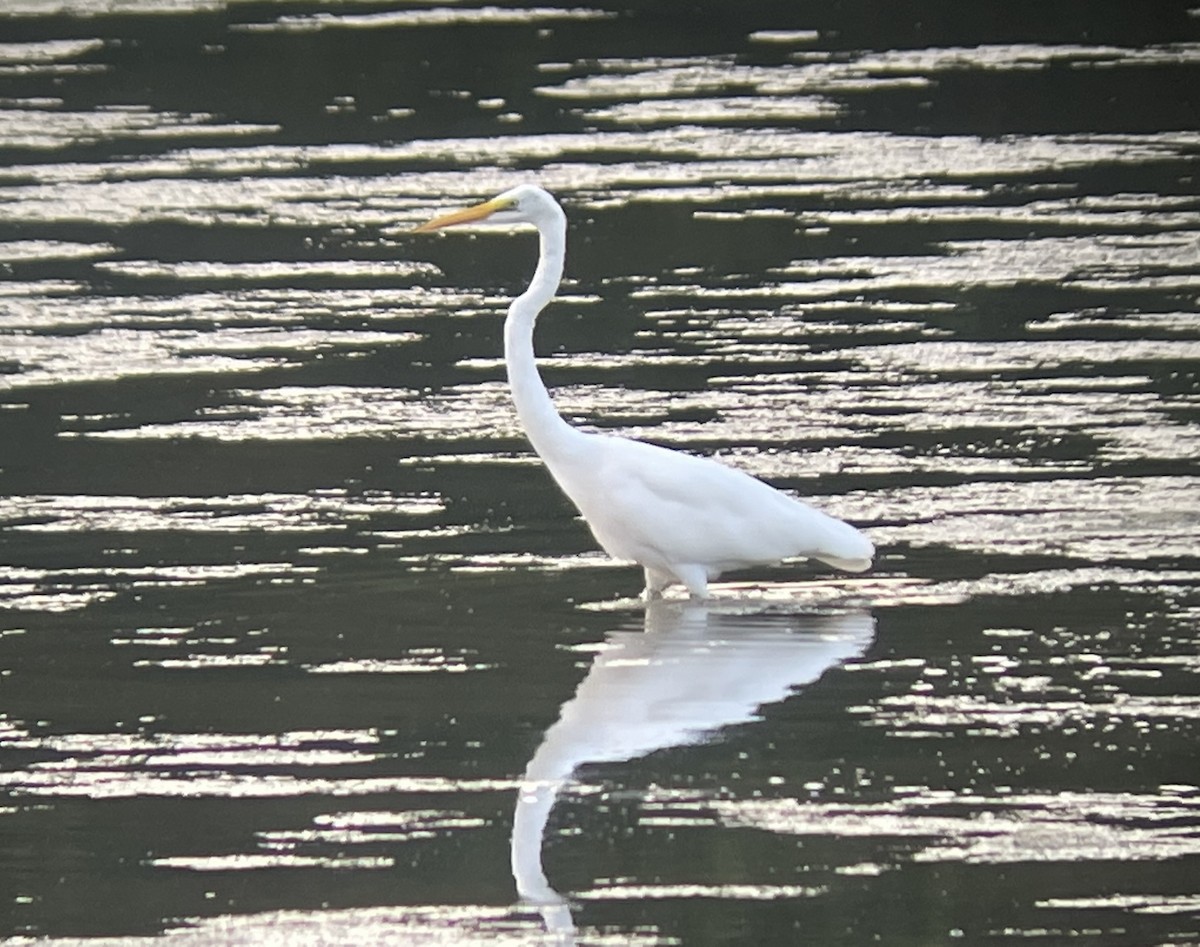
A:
298,642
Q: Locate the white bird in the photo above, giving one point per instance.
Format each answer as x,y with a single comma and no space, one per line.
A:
682,518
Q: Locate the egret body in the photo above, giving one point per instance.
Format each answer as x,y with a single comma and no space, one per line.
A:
682,518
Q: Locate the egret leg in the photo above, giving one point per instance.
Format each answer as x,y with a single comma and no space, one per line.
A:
655,583
694,579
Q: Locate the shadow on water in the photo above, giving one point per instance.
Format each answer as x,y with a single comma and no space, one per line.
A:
688,673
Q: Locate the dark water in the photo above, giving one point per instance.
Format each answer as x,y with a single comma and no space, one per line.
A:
288,610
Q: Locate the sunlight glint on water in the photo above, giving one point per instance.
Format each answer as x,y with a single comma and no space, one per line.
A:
288,610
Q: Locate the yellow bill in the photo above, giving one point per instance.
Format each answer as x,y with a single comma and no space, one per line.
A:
466,216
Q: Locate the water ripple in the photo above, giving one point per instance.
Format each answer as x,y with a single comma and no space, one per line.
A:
321,510
1016,828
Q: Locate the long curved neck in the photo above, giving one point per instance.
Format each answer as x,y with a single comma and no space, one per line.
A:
546,429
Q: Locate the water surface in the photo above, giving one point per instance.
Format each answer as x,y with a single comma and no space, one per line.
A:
299,644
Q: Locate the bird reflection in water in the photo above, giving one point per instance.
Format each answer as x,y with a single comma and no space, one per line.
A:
692,671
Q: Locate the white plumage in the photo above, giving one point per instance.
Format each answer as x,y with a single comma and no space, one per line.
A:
685,675
683,518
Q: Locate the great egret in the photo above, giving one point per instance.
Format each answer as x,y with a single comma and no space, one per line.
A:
682,518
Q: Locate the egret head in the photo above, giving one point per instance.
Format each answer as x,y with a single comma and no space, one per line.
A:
525,203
